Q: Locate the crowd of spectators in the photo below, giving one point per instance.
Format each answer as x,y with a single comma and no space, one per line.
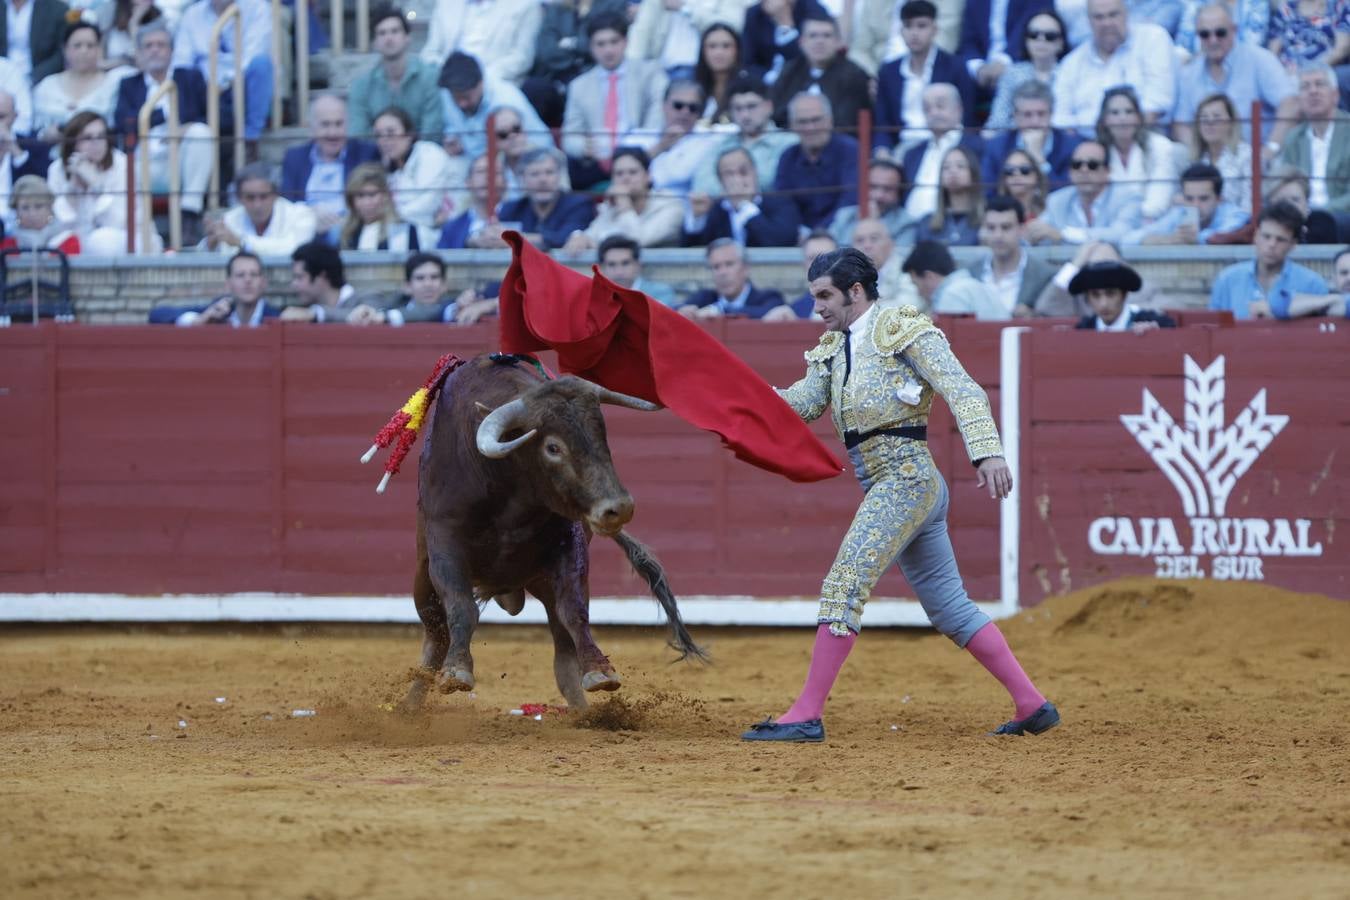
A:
713,124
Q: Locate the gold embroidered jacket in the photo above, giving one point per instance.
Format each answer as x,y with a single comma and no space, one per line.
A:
898,362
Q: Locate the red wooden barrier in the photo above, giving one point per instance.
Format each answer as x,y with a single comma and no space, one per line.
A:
144,460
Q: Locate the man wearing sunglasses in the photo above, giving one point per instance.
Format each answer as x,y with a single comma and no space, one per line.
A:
1246,73
1120,52
1089,209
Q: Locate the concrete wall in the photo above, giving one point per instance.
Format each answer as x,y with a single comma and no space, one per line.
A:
122,290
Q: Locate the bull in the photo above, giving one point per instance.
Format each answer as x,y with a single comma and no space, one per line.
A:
514,478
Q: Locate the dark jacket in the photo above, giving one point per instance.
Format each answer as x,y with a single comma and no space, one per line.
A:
886,111
974,43
844,84
756,305
132,94
297,165
775,226
997,148
561,49
38,162
44,38
1143,315
573,212
757,45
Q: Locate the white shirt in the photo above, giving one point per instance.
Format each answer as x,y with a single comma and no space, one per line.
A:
291,225
7,162
1319,149
682,40
1122,322
18,25
14,82
1145,60
1005,288
911,104
923,197
480,20
193,41
673,171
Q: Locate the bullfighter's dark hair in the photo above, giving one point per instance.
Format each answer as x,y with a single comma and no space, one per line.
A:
418,260
242,254
618,242
323,259
845,267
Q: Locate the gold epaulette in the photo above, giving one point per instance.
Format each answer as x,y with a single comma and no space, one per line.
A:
829,345
898,327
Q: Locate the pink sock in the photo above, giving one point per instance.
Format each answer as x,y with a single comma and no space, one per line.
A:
991,649
827,657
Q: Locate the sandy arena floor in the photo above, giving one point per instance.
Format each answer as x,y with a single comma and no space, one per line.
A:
1203,754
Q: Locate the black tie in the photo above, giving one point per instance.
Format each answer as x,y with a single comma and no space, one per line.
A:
848,356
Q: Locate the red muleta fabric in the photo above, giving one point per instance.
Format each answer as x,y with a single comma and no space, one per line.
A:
625,341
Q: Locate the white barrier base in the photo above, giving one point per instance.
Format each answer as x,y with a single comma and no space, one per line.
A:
260,607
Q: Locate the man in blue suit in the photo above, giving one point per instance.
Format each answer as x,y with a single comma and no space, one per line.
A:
991,36
897,112
1033,105
316,172
771,32
742,213
196,154
545,215
732,294
923,162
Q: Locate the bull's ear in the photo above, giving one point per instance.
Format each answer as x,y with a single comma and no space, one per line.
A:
482,410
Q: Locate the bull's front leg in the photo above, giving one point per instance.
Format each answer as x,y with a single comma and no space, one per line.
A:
573,592
450,578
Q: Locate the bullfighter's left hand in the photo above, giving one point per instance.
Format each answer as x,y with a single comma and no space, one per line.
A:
994,473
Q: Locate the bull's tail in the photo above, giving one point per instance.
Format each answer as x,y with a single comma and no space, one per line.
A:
645,563
403,427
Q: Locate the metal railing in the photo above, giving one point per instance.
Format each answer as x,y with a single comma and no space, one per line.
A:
338,25
175,138
278,51
231,14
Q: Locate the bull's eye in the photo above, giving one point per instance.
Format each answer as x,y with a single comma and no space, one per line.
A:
553,449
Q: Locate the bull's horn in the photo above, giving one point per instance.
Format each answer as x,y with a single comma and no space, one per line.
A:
605,395
497,423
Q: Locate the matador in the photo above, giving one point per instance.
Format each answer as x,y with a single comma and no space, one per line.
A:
877,370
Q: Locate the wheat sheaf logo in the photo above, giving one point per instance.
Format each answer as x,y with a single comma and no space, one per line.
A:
1203,459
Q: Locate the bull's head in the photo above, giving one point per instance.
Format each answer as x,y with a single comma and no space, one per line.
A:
556,435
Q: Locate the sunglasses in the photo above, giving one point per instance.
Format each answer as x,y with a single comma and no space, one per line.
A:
1018,170
504,133
1034,35
684,105
1205,34
1091,165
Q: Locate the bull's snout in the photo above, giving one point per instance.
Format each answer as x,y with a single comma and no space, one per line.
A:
609,515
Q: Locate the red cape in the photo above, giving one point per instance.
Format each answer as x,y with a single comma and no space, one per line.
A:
623,340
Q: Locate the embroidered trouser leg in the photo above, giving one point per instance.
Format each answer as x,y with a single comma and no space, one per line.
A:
902,519
891,513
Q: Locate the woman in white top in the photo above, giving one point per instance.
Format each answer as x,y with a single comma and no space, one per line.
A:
84,85
1142,161
630,208
421,173
372,221
90,184
1217,140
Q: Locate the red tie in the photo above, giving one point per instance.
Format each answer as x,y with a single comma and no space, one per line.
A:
612,111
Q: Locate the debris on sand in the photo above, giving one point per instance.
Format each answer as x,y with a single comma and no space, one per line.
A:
618,713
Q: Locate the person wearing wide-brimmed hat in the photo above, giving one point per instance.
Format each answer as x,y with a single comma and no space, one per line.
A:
1106,284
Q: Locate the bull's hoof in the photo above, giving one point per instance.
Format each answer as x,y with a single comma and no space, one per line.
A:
456,679
513,602
601,681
